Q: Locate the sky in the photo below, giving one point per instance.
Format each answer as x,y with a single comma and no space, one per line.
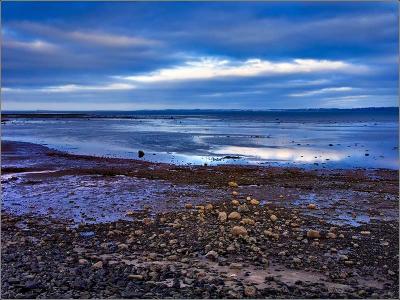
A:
194,55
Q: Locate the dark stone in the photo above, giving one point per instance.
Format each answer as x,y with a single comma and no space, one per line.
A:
140,153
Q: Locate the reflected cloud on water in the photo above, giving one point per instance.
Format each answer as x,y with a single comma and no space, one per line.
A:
284,154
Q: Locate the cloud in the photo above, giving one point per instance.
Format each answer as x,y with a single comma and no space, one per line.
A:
88,37
359,101
109,40
70,88
323,91
209,68
35,46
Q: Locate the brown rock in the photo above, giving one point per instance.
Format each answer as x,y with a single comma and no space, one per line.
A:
235,202
273,218
311,206
313,234
250,291
222,216
233,184
209,206
331,235
135,277
234,216
254,202
98,265
248,221
239,231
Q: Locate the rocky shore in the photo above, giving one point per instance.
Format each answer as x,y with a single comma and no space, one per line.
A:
243,232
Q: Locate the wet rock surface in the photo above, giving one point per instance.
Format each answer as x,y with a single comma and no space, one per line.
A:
196,250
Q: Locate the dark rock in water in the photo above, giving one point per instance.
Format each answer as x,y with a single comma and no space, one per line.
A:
140,153
231,157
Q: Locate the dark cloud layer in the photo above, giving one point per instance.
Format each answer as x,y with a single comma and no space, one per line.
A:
130,55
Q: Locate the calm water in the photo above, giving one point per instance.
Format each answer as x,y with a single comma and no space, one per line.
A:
328,138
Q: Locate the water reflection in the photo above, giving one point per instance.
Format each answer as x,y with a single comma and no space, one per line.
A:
284,154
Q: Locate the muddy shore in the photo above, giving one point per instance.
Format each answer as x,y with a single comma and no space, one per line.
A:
79,227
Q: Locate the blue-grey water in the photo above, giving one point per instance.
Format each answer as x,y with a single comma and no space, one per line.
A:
358,138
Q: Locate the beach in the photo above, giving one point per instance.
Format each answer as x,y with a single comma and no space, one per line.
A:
81,226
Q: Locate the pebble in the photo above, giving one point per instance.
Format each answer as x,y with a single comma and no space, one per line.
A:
235,202
273,218
222,216
365,232
212,255
313,234
135,277
233,184
250,291
311,206
83,261
234,216
98,265
254,202
237,266
234,193
243,208
248,221
331,235
188,206
209,206
122,246
239,231
296,260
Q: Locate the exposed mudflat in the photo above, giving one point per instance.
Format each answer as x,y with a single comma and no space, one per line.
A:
81,226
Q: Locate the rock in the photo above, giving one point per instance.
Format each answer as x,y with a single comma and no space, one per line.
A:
222,216
98,265
122,246
296,260
235,202
311,206
254,202
233,184
83,261
243,208
147,221
313,234
236,266
250,291
234,216
247,221
273,218
331,235
234,193
188,206
269,233
230,248
239,231
348,262
138,232
209,206
365,232
140,153
212,255
135,277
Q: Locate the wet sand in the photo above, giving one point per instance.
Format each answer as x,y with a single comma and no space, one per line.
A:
81,226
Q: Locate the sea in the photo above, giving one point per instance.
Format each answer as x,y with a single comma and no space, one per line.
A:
306,138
